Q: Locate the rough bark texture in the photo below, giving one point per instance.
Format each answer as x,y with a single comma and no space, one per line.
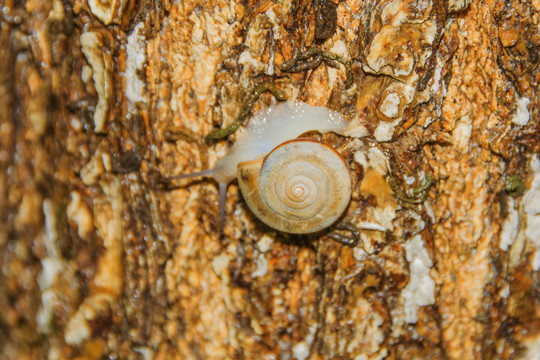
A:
101,257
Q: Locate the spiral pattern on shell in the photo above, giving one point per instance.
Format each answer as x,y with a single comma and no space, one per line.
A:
305,186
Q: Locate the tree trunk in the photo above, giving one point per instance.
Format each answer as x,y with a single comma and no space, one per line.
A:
101,255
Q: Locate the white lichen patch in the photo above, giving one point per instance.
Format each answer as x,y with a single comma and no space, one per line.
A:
136,58
100,60
505,291
429,210
510,226
369,323
409,180
521,117
420,291
524,218
51,235
396,97
382,215
262,266
220,263
49,300
301,350
385,130
531,208
461,134
51,266
265,242
390,105
437,76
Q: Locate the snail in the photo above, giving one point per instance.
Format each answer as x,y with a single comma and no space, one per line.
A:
297,186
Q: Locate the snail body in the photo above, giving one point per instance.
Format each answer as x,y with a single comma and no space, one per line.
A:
268,160
271,127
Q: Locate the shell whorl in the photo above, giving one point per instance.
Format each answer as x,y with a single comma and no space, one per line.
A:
302,186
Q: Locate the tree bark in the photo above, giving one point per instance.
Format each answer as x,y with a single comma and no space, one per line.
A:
102,256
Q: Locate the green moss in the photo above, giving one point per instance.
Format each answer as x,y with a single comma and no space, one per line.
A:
514,185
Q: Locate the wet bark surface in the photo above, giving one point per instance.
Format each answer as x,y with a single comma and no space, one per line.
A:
102,257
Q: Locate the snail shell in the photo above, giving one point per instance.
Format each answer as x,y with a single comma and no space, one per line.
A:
302,186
